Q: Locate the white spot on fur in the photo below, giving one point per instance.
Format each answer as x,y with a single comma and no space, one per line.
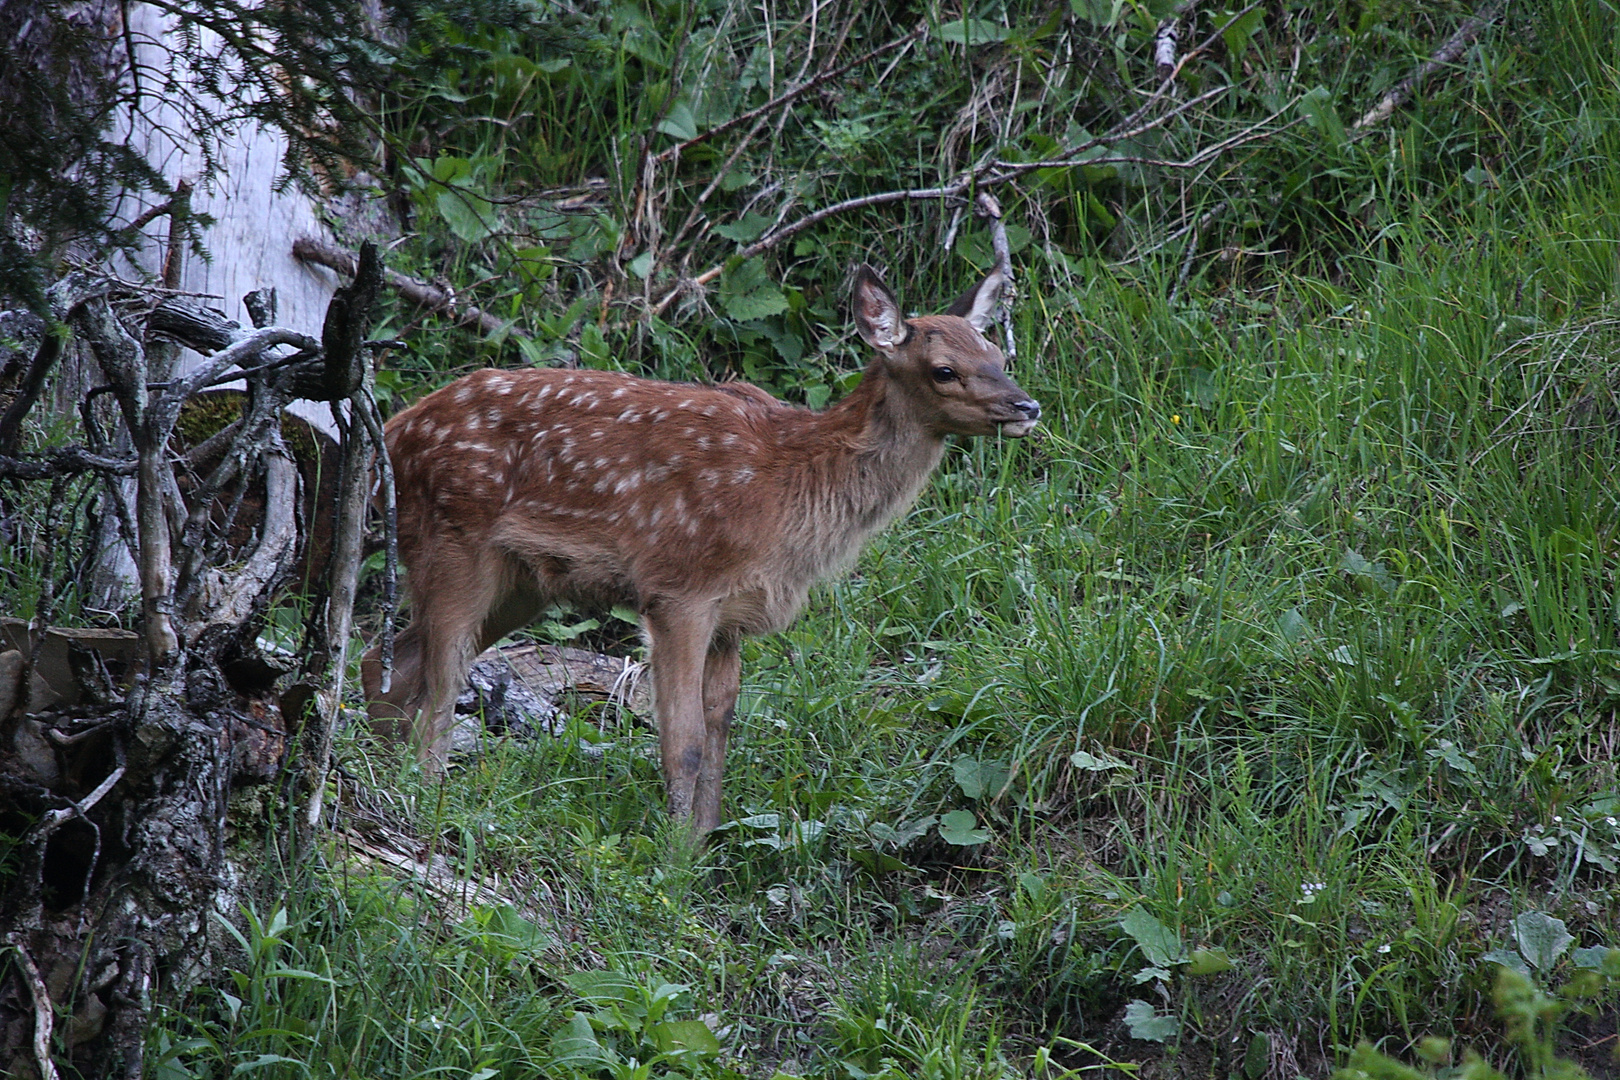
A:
742,476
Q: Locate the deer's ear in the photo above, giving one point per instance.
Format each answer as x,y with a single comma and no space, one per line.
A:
978,305
877,314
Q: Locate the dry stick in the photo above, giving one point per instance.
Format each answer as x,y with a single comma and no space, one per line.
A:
309,250
1401,92
343,570
60,816
988,207
179,214
43,1019
366,406
1167,37
33,384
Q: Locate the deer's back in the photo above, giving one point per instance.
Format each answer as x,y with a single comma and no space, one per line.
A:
603,484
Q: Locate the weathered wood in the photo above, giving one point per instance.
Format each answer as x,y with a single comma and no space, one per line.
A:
190,324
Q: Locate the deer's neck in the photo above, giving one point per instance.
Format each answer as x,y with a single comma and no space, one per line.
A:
866,459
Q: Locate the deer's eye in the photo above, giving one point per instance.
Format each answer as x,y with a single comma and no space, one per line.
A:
944,374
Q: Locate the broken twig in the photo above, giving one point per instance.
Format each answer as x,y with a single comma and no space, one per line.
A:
1454,46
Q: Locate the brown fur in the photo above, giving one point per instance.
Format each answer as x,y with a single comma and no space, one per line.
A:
709,510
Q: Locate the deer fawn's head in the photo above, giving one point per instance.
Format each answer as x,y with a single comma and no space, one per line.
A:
948,372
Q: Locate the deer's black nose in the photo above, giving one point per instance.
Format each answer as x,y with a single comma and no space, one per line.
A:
1029,407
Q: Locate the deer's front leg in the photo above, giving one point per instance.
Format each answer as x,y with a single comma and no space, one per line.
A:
721,679
678,636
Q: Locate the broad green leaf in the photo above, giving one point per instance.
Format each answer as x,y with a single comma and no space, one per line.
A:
971,32
1160,945
1257,1056
672,1035
642,265
605,987
1096,762
1541,938
1208,962
747,293
1293,626
745,230
1148,1024
469,214
679,123
266,1060
1238,34
1453,755
576,1045
979,779
1508,959
959,827
1098,12
1597,958
1316,105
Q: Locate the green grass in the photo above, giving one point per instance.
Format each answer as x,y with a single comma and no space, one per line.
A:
1329,600
1228,723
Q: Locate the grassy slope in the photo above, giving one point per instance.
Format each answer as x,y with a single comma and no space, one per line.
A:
1320,575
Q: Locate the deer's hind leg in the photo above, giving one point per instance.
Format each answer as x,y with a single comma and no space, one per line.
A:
461,604
722,677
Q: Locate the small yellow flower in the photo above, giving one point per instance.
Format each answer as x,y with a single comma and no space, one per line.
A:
1175,418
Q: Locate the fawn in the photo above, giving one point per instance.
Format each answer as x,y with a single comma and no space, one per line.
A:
709,510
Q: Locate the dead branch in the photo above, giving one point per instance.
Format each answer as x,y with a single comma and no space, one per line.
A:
1446,54
33,383
226,600
44,1020
1167,37
329,664
366,406
64,461
418,292
987,207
